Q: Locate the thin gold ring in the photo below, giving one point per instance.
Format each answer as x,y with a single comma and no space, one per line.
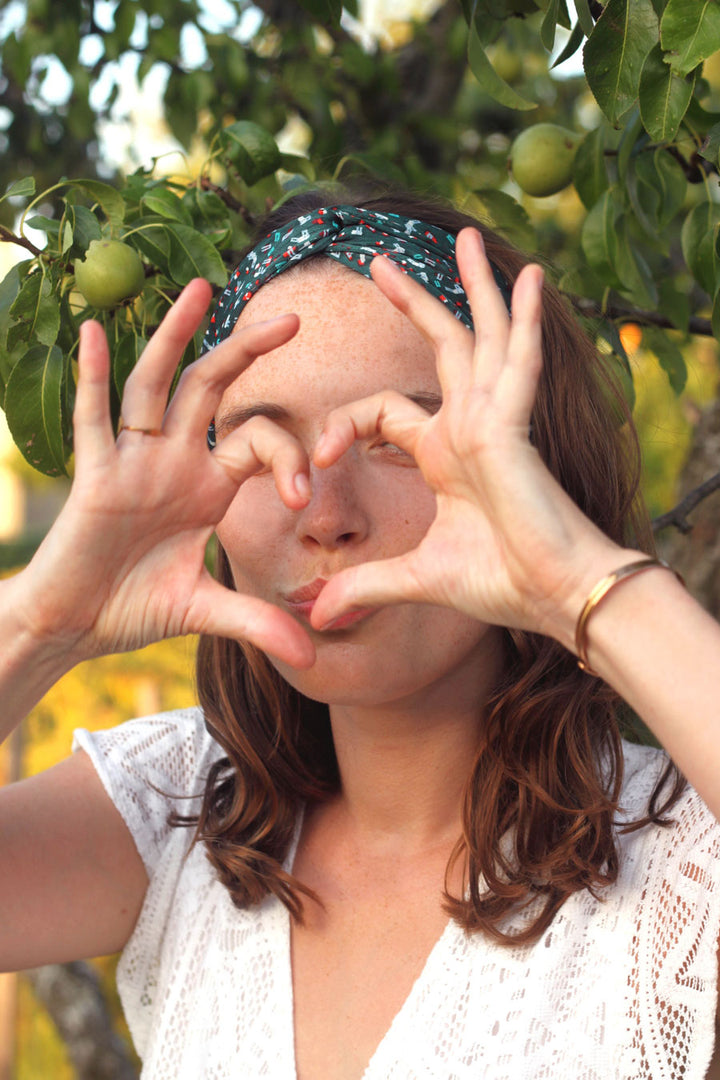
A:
154,432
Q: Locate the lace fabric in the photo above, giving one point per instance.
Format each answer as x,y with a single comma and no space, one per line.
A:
624,986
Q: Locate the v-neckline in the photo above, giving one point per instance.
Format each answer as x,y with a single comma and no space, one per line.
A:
398,1017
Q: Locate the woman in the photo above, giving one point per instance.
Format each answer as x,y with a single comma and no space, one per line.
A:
413,804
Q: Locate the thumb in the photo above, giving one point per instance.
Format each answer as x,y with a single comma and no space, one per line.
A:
372,584
222,612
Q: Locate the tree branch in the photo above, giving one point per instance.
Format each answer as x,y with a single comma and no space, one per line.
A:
678,515
73,996
9,237
696,325
230,201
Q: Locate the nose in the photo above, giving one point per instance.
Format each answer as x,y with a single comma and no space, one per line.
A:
336,515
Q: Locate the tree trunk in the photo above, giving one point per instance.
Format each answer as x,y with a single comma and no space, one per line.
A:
72,995
696,555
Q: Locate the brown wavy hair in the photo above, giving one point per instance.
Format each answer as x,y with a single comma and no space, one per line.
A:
542,796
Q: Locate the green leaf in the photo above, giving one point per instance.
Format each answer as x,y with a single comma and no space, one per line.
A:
125,355
167,204
505,214
555,13
585,18
572,45
21,189
85,228
632,138
615,53
657,187
298,165
34,408
109,198
581,281
617,366
631,267
489,79
690,31
250,149
715,319
323,11
36,310
599,238
669,355
9,288
590,174
192,255
609,332
664,96
700,121
710,148
50,226
549,25
67,236
674,304
671,184
151,236
698,244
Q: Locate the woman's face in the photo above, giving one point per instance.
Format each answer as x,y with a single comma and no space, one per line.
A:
372,504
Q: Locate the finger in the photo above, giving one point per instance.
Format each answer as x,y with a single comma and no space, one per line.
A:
490,314
369,585
148,385
225,613
202,384
260,444
389,414
93,433
451,340
517,385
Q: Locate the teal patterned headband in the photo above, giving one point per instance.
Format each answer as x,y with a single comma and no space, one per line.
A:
352,236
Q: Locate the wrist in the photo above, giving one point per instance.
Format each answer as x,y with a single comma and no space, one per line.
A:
24,643
562,624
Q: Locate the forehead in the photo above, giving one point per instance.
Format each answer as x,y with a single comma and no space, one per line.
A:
352,341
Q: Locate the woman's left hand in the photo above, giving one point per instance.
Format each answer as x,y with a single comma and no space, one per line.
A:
508,545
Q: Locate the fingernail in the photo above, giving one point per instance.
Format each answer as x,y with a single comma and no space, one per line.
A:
321,444
392,265
480,241
302,485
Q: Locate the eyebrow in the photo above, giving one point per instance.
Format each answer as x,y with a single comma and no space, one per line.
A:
240,414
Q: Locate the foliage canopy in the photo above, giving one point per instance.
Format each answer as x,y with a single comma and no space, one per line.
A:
435,106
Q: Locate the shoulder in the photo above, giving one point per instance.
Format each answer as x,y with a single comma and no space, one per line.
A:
150,767
172,746
680,854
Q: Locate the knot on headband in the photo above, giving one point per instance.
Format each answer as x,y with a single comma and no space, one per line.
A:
353,236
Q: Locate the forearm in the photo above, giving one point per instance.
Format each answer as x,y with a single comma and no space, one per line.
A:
660,650
28,667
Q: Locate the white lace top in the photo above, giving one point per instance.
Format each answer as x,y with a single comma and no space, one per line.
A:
623,988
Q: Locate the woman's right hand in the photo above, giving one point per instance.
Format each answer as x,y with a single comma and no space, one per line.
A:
123,565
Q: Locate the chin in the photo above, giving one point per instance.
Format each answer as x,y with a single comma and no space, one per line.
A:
371,665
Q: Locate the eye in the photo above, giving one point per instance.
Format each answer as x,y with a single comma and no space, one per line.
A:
391,451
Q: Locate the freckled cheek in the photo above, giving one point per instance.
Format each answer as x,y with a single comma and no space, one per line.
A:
253,530
409,510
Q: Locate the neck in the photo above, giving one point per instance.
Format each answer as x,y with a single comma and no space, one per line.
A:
404,766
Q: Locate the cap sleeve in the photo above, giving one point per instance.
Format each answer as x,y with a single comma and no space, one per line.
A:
150,767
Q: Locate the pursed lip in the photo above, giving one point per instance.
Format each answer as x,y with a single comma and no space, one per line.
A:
302,601
306,594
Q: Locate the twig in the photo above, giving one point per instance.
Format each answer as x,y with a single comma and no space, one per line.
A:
696,169
230,201
678,515
9,237
696,325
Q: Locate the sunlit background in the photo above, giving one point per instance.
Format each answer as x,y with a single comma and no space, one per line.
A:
108,691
